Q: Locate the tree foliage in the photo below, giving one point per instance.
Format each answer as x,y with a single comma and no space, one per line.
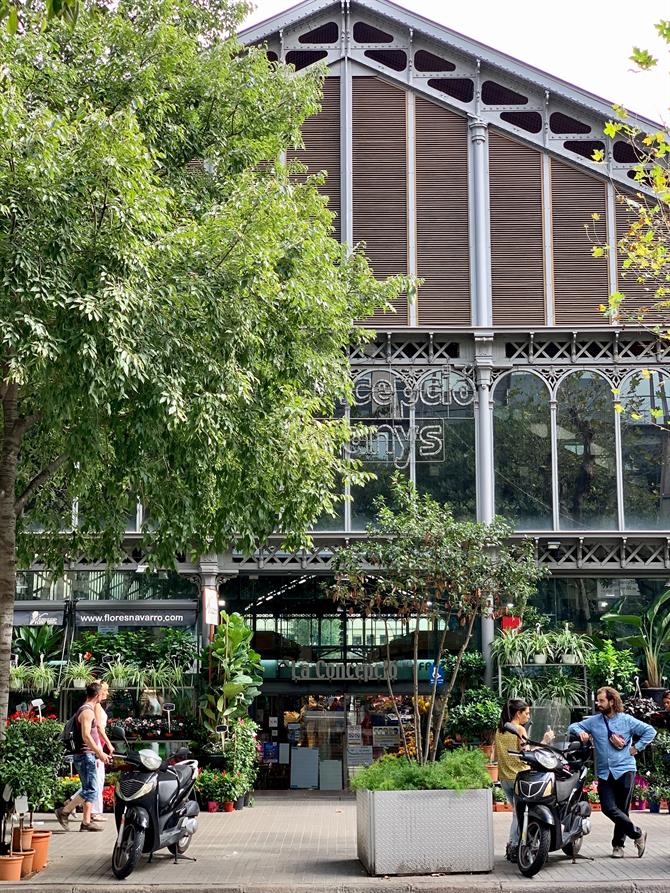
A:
645,246
174,312
420,563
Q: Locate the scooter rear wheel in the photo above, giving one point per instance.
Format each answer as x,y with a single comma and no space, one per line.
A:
180,847
573,847
127,852
533,854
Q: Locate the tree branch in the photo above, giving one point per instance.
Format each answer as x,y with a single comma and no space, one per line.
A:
31,488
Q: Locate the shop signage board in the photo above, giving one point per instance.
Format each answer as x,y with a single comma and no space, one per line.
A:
385,736
210,599
333,671
38,615
354,735
359,755
124,614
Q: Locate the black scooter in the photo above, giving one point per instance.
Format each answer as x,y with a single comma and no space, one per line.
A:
552,809
154,806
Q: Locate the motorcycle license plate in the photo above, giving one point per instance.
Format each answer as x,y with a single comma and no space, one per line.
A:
122,823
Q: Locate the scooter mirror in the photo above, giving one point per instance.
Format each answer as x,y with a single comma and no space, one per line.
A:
117,733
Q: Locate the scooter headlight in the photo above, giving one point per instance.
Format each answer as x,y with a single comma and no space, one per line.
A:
150,759
546,759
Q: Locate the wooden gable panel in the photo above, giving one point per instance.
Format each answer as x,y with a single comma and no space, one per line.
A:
580,280
442,216
517,247
321,134
380,182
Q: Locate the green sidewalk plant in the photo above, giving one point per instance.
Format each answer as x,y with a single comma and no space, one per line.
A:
651,636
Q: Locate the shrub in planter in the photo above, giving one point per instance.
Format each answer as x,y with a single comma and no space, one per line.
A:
476,720
78,673
609,665
30,756
19,677
571,647
451,793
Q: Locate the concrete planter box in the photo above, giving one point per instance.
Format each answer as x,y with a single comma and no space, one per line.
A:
424,832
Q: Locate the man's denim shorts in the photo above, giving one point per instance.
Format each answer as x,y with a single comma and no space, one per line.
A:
86,767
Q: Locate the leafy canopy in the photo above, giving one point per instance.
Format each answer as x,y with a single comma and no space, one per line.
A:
174,311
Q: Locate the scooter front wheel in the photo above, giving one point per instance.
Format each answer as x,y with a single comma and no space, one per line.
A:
127,851
534,852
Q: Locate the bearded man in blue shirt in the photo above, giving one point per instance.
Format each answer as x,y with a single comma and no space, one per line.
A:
612,731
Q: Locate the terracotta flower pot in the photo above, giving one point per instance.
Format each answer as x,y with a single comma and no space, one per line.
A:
27,865
595,807
22,839
492,769
228,806
10,867
212,806
41,840
488,750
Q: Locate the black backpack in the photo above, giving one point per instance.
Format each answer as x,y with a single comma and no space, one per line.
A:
70,737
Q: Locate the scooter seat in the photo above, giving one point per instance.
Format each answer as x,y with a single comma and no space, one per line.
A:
184,772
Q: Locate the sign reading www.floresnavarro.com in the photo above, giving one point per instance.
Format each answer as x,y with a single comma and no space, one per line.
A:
134,615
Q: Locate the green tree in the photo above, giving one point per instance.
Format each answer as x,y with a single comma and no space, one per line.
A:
174,312
645,246
420,563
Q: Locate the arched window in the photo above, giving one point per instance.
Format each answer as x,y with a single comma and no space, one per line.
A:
522,451
645,451
586,453
444,441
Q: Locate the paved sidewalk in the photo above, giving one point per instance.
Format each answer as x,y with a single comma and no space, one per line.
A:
294,845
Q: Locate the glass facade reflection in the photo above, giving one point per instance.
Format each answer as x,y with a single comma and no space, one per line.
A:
645,452
522,439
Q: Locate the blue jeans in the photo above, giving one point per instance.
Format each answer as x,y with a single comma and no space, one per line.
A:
85,766
508,788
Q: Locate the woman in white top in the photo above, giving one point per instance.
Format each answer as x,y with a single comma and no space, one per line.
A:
101,722
106,744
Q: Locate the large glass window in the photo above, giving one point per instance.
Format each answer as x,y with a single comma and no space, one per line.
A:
583,600
586,453
381,414
445,441
522,451
645,452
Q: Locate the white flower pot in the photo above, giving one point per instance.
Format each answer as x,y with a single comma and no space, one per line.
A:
569,659
539,658
78,683
117,684
424,832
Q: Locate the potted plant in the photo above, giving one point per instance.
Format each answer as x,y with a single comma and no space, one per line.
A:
228,790
119,675
611,665
563,688
19,677
571,647
540,645
509,648
518,686
207,786
393,790
42,678
78,673
166,677
651,636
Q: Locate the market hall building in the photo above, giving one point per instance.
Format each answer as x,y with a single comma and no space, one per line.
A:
493,387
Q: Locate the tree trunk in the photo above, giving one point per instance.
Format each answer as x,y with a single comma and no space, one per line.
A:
8,463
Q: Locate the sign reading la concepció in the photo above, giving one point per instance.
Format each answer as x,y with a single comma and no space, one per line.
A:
335,671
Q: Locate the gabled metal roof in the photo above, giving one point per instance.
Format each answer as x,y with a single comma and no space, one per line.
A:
451,39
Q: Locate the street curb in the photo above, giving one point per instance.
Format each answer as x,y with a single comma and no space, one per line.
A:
444,884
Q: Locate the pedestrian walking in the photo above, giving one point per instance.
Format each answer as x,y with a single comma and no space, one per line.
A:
106,744
612,731
88,749
517,712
